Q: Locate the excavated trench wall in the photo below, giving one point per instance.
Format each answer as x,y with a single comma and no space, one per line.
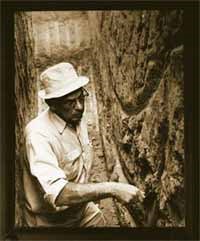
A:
25,100
138,73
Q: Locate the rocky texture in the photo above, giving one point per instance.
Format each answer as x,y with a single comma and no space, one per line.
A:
139,85
25,98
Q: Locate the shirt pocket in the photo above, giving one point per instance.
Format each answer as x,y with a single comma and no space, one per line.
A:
72,163
72,155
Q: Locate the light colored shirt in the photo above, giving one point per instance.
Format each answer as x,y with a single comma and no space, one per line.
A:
56,155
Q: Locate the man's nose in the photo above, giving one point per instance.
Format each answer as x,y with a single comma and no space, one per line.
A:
79,105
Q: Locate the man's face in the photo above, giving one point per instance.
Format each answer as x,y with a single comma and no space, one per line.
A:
71,106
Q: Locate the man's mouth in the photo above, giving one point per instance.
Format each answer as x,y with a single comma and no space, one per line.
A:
77,116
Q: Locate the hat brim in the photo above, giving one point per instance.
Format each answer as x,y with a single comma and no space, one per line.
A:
76,84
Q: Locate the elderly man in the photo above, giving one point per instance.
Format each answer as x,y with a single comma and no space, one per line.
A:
55,175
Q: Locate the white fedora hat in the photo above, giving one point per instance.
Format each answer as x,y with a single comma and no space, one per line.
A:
59,80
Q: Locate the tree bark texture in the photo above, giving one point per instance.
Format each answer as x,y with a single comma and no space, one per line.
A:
25,99
137,59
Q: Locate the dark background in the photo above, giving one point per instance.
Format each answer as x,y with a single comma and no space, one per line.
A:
191,63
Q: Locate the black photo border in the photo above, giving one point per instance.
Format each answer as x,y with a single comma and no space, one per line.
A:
7,125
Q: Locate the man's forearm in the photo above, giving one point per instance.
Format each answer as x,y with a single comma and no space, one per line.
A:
75,193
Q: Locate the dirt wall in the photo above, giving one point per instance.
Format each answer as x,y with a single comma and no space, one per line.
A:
138,73
25,99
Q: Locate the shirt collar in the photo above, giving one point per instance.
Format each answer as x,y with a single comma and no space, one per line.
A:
59,123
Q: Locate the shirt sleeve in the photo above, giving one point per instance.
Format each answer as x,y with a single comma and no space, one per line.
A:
44,166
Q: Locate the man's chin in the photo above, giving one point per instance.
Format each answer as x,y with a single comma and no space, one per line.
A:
76,120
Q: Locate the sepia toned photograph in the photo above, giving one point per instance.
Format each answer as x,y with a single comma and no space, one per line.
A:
99,127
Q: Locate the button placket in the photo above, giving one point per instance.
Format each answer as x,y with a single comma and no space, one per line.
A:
83,155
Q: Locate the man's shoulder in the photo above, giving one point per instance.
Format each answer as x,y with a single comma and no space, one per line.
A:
39,124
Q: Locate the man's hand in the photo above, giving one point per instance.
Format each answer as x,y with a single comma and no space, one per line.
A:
126,193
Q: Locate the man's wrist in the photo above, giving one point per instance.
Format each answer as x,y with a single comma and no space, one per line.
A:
110,189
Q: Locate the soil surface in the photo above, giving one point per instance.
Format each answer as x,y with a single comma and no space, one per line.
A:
99,174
